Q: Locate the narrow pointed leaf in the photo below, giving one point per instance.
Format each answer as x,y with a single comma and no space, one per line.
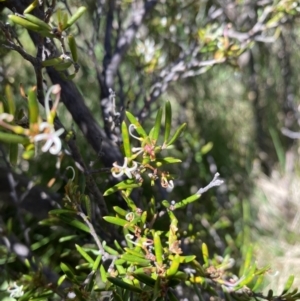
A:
119,222
288,284
157,125
205,254
128,183
84,254
158,249
120,210
33,107
12,138
177,134
142,277
126,140
37,21
31,7
10,100
172,270
73,48
124,285
80,11
75,223
187,201
168,121
135,260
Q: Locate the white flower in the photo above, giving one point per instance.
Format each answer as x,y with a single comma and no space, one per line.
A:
119,171
15,291
53,142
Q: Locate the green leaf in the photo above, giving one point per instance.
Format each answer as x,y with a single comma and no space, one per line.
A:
73,48
288,284
135,253
84,254
10,100
157,125
187,201
29,25
137,125
67,238
128,183
174,266
31,6
124,285
61,280
97,263
142,277
206,148
110,250
177,134
103,273
166,160
129,201
120,210
248,260
168,121
33,107
136,260
184,259
37,21
12,138
126,140
158,249
61,211
118,221
259,283
75,223
205,254
68,271
80,11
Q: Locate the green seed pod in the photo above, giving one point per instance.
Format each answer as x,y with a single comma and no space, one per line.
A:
73,48
37,21
25,23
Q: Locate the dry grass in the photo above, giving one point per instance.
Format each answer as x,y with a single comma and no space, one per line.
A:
277,205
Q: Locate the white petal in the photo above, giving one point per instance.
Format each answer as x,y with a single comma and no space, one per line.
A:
56,147
47,145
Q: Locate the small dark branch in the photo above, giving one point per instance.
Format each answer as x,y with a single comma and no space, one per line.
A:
108,34
12,46
139,11
180,69
14,196
74,102
39,73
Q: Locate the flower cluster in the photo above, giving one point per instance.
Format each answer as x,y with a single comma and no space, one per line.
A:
134,170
